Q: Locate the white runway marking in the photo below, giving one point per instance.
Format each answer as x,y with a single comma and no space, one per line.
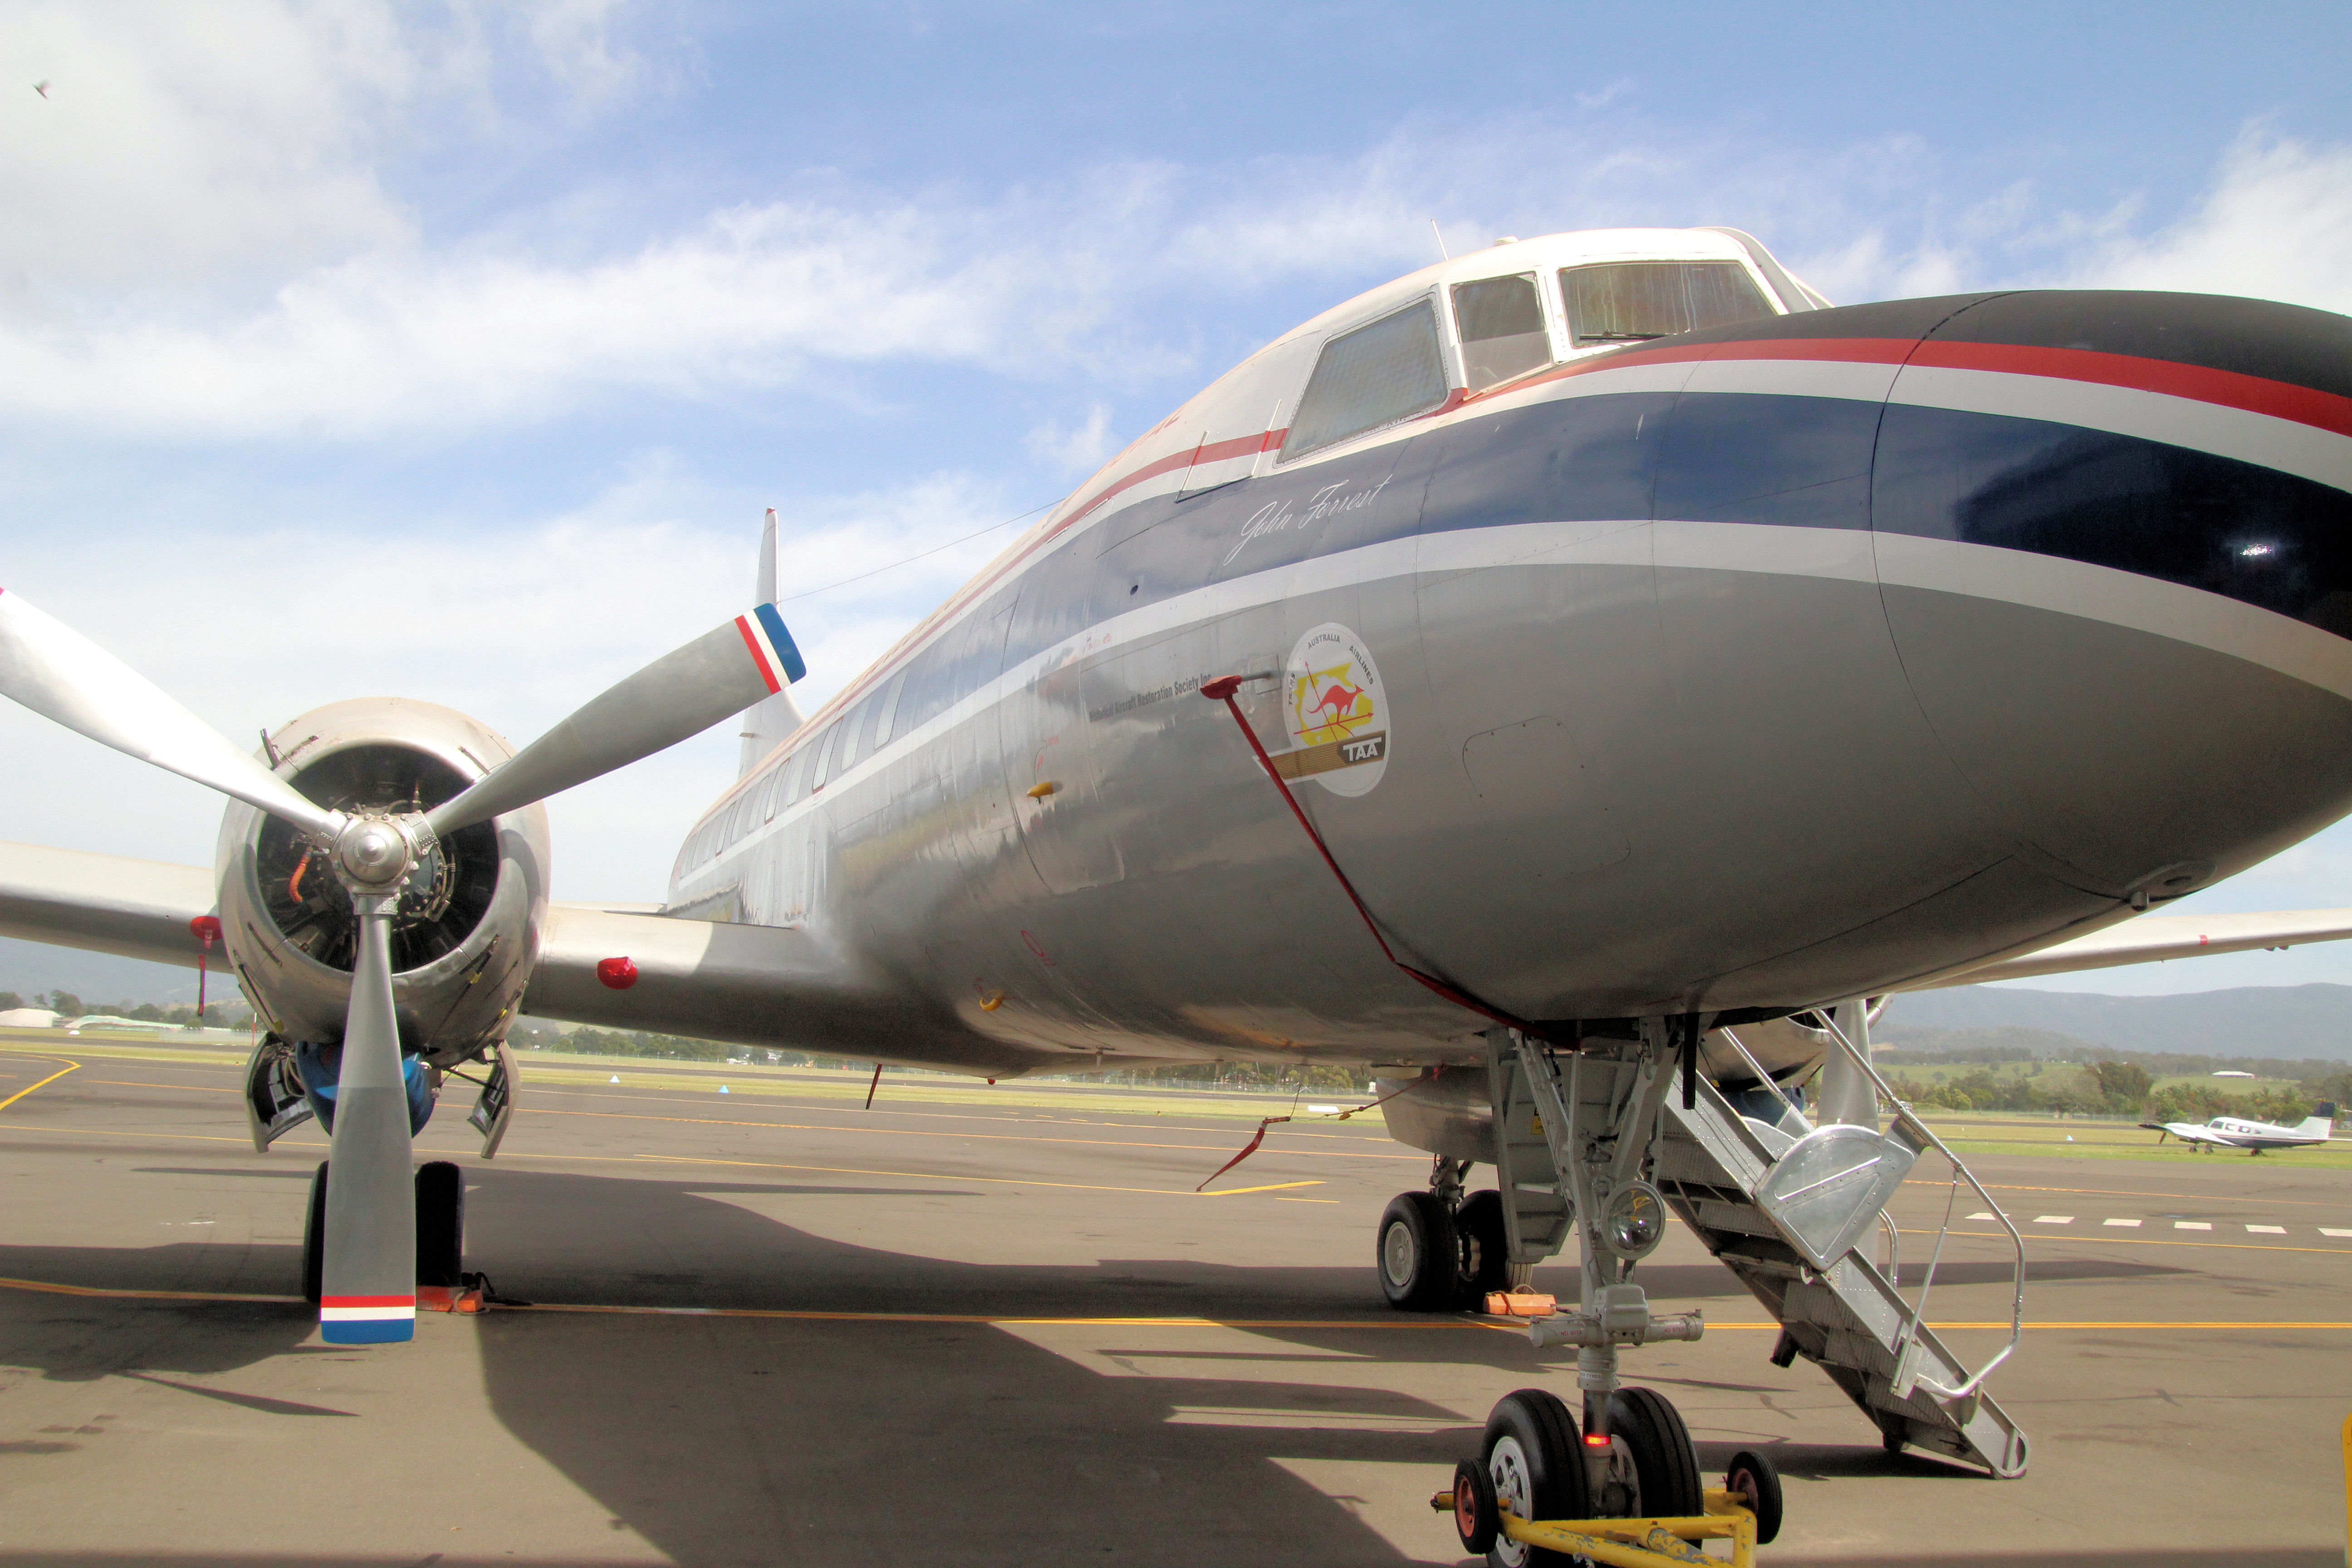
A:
2054,1219
2325,1231
2193,1224
2119,1222
2267,1229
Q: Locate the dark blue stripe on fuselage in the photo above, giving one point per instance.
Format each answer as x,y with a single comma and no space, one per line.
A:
2228,527
2231,528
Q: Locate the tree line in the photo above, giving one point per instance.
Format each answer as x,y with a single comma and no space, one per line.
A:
66,1004
2114,1087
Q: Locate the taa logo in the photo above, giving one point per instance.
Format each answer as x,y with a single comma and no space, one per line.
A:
1336,711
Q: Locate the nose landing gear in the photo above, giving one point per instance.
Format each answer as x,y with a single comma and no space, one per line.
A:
1532,1500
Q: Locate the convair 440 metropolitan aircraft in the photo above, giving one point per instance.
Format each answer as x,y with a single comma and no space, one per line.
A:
1571,680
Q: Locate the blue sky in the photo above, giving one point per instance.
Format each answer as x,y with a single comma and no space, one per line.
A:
453,351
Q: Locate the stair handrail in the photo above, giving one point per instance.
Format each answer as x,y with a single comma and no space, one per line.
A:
1918,1314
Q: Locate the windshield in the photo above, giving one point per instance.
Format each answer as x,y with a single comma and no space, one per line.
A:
1629,302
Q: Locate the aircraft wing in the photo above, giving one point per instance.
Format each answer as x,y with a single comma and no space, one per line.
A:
2148,939
708,979
693,977
2189,1132
106,903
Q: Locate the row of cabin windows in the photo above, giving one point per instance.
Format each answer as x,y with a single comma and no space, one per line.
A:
1373,376
864,730
1392,369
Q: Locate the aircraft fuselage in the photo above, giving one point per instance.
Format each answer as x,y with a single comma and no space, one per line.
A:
1739,670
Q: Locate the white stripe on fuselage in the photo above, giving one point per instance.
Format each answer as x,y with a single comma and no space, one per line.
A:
2064,587
2286,445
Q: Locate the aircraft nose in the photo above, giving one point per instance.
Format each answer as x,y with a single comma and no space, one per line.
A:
2115,543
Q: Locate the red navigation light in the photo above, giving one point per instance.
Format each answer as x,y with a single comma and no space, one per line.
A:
1595,1440
620,973
205,929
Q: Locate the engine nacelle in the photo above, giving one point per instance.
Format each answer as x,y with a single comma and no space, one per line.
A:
471,917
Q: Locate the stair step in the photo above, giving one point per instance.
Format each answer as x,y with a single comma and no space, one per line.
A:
1846,1319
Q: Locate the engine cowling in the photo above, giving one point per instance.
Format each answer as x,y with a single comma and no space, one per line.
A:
470,916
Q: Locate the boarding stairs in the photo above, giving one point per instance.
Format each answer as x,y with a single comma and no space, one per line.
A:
1792,1211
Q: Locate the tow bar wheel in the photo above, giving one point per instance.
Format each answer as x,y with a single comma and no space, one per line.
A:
1756,1484
1475,1520
1535,1468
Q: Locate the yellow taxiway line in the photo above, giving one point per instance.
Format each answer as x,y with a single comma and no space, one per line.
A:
641,1160
70,1067
828,1127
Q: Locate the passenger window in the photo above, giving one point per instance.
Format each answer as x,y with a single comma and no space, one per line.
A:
889,712
1502,329
820,770
1372,376
845,752
1629,302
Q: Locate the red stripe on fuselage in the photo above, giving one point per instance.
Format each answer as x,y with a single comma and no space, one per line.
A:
2200,384
347,1302
2169,378
2222,388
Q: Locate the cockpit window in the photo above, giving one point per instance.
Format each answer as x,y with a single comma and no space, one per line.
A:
1628,302
1502,329
1372,376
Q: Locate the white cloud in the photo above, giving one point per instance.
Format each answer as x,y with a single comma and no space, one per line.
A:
1078,451
516,627
180,147
2277,225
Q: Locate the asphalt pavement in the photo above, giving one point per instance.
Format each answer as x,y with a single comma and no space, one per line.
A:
781,1328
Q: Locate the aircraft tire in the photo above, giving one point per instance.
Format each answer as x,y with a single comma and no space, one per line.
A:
440,1224
1665,1462
1754,1480
1537,1466
1486,1251
314,1238
1419,1255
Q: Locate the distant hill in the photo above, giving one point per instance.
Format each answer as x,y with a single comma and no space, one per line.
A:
2288,1021
26,967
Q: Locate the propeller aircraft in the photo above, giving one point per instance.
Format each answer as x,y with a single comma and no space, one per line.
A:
2254,1137
1595,658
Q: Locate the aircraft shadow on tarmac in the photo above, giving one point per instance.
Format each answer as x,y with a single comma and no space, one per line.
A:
738,1440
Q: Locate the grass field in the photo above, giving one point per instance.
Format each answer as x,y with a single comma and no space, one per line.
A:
1979,1133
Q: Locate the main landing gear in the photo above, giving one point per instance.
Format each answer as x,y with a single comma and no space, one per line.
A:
1441,1251
440,1236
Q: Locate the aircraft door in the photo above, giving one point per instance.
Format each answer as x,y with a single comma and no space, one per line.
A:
1049,772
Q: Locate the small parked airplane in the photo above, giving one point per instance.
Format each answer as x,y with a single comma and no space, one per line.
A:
2237,1132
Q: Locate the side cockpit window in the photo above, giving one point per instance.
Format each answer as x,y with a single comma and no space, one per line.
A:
1372,376
1502,327
1628,302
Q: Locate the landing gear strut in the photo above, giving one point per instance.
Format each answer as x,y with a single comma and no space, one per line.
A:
440,1230
1596,1125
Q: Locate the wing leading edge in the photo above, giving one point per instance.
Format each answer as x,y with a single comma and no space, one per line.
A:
765,983
2153,938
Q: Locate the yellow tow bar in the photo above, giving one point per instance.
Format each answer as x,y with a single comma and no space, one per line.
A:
1641,1542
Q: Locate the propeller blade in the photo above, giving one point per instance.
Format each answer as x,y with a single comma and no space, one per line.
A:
680,694
58,673
369,1283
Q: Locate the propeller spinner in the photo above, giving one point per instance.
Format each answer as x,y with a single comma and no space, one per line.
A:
369,1293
